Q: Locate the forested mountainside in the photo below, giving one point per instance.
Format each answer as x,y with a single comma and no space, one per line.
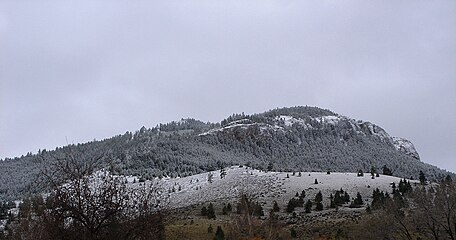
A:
296,138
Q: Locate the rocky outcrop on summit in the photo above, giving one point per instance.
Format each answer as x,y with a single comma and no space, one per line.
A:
268,123
406,147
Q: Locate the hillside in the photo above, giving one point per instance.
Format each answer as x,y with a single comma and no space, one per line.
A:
298,138
268,186
184,198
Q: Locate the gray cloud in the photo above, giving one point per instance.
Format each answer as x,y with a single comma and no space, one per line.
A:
93,69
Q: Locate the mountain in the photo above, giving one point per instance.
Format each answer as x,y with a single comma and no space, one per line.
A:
286,139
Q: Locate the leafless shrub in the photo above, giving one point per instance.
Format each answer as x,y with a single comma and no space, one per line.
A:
87,202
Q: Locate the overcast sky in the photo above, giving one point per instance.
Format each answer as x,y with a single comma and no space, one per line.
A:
84,70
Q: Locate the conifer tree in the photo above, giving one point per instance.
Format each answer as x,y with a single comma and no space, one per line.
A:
358,200
275,207
210,211
318,197
270,167
219,234
291,205
204,211
293,233
303,194
332,204
422,178
387,171
229,208
308,206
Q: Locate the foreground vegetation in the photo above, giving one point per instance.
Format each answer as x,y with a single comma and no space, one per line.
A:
87,204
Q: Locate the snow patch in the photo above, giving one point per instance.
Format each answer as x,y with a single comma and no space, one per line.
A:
329,119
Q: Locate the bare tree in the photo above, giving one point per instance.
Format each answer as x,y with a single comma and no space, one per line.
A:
85,201
244,224
436,210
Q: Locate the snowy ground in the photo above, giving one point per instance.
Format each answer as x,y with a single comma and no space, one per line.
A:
267,187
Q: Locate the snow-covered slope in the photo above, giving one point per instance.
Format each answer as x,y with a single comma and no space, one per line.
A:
267,187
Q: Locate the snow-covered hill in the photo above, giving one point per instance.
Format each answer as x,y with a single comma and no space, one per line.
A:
302,138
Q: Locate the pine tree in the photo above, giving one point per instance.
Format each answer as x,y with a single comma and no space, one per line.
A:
204,211
293,233
358,200
332,204
270,167
229,208
387,171
211,211
291,205
447,180
368,209
303,194
219,234
405,186
422,178
308,206
346,197
318,197
258,209
373,171
224,210
339,200
275,207
398,199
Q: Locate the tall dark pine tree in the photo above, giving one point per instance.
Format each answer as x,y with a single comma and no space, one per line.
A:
308,206
318,200
275,207
270,167
318,197
358,200
210,211
422,178
219,234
